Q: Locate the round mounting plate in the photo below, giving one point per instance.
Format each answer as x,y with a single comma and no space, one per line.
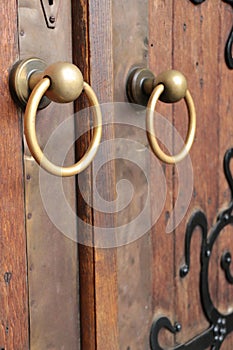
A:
19,80
135,91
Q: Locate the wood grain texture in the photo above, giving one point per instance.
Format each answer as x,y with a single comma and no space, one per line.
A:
133,259
196,32
98,280
205,67
162,269
225,108
191,39
52,256
81,56
13,294
101,63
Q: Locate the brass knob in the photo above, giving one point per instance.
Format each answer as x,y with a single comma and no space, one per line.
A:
170,86
66,82
175,85
61,82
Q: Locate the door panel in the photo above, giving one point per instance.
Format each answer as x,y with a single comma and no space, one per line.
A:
190,38
198,30
98,295
120,285
134,259
225,291
225,139
80,40
52,256
163,264
13,293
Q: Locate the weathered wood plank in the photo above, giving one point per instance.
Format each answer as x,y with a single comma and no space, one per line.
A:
160,59
98,281
13,265
134,258
225,108
195,46
52,257
101,63
80,39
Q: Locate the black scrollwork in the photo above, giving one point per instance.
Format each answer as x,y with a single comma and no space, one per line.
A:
220,325
197,2
229,2
226,262
162,322
228,50
228,47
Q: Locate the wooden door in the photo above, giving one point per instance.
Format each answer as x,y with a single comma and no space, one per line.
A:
127,288
39,265
14,300
125,284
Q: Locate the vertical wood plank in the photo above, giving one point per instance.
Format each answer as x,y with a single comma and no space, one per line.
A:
225,108
101,64
81,56
160,59
186,37
195,33
13,292
134,260
52,256
98,279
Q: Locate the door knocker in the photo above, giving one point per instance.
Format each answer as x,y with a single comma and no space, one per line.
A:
34,85
170,86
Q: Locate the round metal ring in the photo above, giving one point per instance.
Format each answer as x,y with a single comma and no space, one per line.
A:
158,90
31,138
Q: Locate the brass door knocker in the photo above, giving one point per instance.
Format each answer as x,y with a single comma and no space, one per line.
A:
170,86
34,85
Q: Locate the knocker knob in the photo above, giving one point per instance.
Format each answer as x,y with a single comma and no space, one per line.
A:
66,82
175,85
141,83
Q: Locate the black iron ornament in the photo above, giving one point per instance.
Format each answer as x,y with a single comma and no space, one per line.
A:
220,325
197,2
228,47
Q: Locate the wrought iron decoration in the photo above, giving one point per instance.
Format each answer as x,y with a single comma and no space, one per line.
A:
197,2
228,47
220,324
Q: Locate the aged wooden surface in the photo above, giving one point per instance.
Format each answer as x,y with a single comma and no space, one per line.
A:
101,79
116,286
225,108
52,256
98,280
209,80
198,37
196,31
80,16
162,269
13,266
134,258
